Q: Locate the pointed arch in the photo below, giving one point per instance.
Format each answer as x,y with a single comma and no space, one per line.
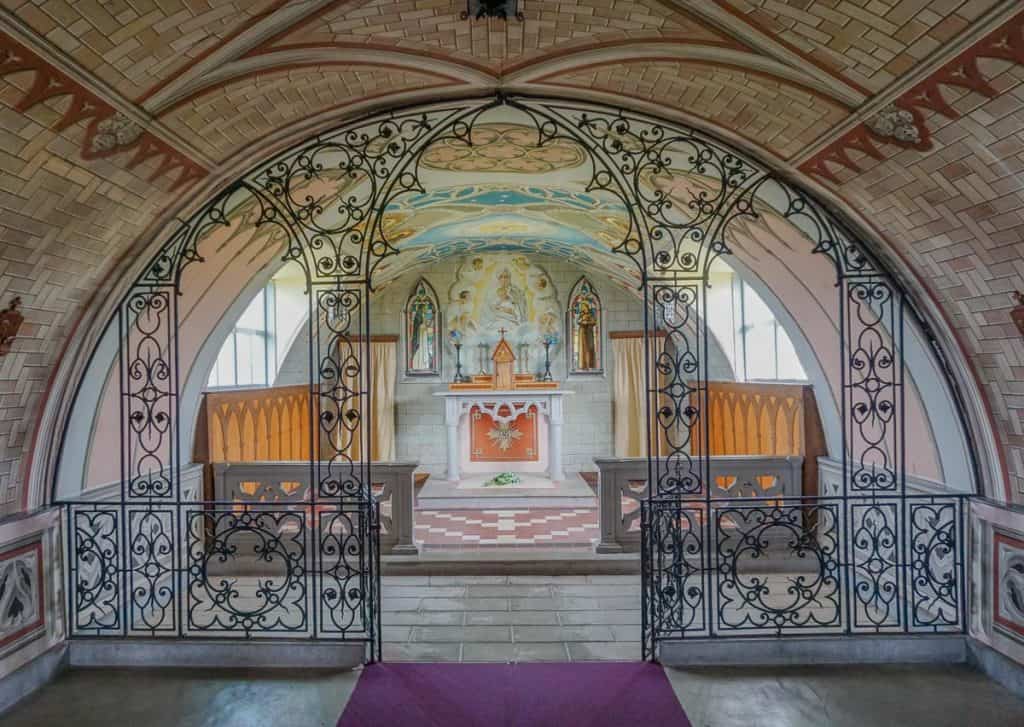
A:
585,328
422,331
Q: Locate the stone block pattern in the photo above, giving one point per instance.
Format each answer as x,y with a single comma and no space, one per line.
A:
870,43
134,45
775,115
435,27
956,212
63,224
225,119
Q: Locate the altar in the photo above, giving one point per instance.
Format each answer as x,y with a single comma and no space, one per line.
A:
507,410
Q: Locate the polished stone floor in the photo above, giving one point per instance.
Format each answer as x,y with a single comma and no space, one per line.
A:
886,696
511,618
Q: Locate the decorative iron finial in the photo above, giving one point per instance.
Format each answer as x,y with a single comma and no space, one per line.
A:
499,9
10,321
1017,314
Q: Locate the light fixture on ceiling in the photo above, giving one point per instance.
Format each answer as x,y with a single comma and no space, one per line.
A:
500,9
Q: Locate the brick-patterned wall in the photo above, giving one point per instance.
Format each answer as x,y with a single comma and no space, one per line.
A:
776,115
223,120
435,27
870,43
134,45
63,222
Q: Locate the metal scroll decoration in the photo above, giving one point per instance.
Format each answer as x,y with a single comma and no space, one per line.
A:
156,562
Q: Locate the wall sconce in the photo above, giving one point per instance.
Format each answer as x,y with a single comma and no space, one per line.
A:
10,322
1017,314
500,9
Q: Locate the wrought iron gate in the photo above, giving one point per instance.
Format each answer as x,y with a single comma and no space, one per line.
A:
162,559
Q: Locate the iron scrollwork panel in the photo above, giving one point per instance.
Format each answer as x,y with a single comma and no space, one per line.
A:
875,568
649,158
678,385
247,571
151,563
342,394
807,596
675,557
347,587
95,589
873,421
148,393
935,560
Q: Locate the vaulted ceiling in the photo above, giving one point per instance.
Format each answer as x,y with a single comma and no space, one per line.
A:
116,117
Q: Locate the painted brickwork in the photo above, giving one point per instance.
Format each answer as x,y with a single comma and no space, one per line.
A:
870,43
775,115
63,222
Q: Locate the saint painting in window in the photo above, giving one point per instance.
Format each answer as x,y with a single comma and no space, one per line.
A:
584,329
422,324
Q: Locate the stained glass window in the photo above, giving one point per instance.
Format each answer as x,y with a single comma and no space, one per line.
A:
584,329
422,346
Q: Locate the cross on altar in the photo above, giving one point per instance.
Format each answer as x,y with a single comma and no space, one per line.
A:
504,360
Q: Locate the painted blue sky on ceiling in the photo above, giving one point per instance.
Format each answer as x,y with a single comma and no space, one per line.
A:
576,226
509,215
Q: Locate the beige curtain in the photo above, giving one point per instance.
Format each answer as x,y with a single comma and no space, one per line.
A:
628,397
384,366
384,361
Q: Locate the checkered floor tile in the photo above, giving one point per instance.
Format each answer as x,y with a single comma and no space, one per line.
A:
515,527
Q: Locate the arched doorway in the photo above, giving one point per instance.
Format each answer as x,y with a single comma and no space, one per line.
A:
158,557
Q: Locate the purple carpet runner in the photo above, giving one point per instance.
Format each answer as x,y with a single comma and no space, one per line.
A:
513,695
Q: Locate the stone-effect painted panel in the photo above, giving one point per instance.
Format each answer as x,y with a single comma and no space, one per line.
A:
1008,587
22,616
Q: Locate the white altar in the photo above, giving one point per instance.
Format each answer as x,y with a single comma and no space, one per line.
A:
548,403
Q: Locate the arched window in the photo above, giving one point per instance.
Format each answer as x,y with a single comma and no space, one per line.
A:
584,329
422,323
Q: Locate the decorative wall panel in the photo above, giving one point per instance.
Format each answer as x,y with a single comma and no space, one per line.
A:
494,441
1008,583
22,614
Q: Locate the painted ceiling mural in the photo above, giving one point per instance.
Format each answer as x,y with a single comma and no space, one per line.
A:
479,218
503,292
503,147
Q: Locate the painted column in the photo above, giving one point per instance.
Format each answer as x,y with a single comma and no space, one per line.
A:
555,420
452,407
